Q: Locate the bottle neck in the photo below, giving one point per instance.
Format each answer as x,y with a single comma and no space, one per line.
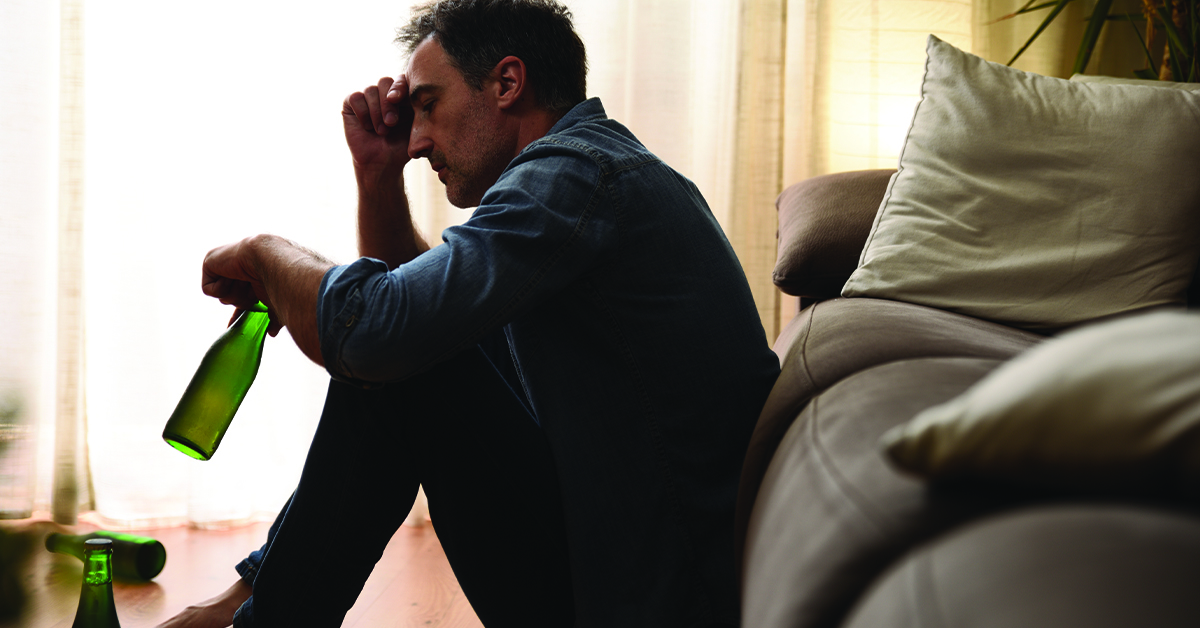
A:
97,564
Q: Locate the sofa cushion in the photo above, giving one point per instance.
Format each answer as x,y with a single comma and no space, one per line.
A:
1094,565
823,223
831,514
1037,202
1110,407
835,339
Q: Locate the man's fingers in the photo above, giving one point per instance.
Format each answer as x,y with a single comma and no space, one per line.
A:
374,106
231,292
214,286
390,118
371,95
356,106
399,90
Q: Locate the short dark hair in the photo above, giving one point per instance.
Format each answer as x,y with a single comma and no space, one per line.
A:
477,34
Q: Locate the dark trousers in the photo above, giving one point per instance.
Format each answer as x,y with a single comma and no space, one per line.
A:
494,500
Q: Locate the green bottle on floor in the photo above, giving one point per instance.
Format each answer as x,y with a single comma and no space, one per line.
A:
133,557
96,606
218,387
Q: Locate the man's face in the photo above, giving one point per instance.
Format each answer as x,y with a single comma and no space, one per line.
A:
459,130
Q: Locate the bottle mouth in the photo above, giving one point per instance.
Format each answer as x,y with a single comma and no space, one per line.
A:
98,544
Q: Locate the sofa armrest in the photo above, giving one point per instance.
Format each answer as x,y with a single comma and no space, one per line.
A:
823,224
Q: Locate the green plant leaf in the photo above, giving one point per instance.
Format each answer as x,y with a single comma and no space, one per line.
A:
1145,48
1174,41
1091,35
1173,36
1026,8
1131,17
1194,12
1058,8
1146,73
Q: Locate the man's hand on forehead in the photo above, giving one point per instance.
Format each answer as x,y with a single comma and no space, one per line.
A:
377,122
377,106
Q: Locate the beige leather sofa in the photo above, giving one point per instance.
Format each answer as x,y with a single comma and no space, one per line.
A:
831,534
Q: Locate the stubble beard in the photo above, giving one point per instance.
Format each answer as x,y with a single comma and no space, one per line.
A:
479,161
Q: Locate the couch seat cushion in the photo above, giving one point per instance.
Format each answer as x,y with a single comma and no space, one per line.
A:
831,514
835,339
1094,565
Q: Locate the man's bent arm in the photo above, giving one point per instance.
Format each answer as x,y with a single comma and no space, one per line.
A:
377,122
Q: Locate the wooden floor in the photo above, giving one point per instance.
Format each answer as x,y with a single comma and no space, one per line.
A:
412,584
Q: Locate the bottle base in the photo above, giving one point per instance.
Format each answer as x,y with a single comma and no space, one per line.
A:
187,447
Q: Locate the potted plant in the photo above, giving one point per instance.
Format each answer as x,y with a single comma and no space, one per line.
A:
1169,31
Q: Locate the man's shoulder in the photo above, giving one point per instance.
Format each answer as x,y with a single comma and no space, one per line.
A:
587,132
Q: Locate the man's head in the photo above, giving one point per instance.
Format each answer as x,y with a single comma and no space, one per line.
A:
477,34
485,78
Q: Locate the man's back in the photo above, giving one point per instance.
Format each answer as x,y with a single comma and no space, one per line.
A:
641,353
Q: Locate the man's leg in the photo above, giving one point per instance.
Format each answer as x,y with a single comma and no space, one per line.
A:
494,501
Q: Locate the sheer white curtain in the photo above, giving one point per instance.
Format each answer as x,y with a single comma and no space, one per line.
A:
204,125
29,115
201,126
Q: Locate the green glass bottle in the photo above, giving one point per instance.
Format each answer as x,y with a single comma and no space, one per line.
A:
133,557
96,606
218,387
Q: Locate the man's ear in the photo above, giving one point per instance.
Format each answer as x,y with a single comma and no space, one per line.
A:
510,78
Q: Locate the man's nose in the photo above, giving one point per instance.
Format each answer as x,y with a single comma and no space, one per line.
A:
419,144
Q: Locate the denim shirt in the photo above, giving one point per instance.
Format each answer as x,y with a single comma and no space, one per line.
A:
598,282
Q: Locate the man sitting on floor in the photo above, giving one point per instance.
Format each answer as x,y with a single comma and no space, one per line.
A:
573,374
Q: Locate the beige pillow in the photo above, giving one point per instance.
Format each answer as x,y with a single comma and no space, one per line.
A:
1112,80
1110,405
1037,202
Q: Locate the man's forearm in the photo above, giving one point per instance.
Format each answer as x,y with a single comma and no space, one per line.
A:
385,227
291,275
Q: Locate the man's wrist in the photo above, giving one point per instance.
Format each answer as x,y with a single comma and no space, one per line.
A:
269,255
255,253
375,180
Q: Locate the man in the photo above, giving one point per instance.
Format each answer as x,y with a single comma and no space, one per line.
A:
573,374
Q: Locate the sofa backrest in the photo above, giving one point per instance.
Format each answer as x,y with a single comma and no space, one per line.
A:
824,223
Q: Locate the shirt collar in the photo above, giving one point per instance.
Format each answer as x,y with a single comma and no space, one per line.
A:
589,109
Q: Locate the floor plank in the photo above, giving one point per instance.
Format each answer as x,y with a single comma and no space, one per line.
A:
423,593
412,585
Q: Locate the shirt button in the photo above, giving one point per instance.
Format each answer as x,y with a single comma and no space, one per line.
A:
350,321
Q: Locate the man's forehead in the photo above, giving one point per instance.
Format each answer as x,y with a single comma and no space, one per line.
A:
427,67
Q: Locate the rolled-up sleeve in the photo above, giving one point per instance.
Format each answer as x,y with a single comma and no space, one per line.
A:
545,222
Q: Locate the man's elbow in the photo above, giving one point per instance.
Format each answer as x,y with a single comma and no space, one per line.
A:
369,364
